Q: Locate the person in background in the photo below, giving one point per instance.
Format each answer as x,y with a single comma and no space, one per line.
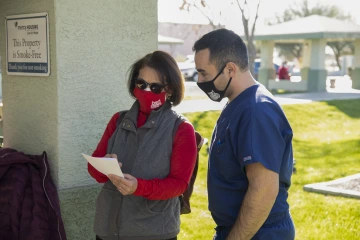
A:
283,72
157,164
250,160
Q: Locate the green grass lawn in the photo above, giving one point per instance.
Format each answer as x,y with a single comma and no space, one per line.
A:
326,146
202,97
281,91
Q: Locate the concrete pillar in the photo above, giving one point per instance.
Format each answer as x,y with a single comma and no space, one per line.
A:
267,70
91,47
355,73
317,73
305,68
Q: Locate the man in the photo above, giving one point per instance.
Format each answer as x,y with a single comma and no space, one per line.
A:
250,162
283,72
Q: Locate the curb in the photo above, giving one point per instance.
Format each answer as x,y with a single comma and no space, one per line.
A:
325,188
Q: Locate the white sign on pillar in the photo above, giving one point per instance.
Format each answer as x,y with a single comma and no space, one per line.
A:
27,45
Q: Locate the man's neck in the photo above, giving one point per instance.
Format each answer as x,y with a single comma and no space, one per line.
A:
240,83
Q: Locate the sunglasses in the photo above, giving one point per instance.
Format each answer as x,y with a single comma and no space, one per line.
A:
154,87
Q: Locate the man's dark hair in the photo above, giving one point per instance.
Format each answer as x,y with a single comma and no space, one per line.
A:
224,46
167,70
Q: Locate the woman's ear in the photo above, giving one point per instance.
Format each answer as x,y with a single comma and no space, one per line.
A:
168,91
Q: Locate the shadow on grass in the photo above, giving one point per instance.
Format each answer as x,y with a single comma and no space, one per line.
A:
281,91
311,150
349,107
326,161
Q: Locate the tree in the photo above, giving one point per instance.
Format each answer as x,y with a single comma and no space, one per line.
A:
302,9
340,49
215,18
249,35
290,50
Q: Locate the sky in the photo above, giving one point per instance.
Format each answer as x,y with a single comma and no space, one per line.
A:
168,11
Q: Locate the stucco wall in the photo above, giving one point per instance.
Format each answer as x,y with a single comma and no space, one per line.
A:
92,46
96,44
30,103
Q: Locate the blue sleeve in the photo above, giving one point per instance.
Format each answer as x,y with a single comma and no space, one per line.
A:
259,137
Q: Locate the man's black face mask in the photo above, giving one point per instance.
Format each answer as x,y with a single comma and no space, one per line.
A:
210,89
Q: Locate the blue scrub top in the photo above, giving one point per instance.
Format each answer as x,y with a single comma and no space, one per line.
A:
252,128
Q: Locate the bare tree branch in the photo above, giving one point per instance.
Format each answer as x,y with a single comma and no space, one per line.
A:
241,9
244,20
256,17
182,7
211,21
200,8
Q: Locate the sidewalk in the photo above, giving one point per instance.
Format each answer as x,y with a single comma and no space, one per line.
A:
283,99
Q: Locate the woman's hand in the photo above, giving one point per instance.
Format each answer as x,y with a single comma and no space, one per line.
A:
126,185
113,156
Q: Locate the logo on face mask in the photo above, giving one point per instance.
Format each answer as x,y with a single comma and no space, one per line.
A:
209,87
213,95
155,104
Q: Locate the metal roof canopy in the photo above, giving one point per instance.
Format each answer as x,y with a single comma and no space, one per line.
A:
312,27
169,40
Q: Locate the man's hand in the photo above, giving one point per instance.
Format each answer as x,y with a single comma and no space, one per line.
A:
126,185
259,199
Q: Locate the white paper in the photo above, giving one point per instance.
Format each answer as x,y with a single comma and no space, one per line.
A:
105,165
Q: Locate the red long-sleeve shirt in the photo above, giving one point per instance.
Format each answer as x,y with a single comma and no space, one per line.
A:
183,160
283,73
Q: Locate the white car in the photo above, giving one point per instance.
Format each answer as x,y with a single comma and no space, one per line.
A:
188,69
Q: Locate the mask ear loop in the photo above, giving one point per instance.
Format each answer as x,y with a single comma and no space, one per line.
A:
220,72
228,85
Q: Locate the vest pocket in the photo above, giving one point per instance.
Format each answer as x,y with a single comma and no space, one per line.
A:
137,219
103,203
155,206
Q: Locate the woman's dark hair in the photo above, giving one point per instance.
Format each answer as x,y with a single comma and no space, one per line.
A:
168,72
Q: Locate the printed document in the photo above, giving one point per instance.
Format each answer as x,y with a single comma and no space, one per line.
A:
105,165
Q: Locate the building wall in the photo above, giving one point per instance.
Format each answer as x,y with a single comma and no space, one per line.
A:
92,45
95,48
187,32
91,51
30,103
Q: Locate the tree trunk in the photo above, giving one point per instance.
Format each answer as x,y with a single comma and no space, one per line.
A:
252,56
249,35
337,52
337,58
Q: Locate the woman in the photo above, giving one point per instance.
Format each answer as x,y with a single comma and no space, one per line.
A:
157,157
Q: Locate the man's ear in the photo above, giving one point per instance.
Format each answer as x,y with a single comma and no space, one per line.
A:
231,69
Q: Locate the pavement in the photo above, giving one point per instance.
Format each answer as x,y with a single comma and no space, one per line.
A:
203,103
345,187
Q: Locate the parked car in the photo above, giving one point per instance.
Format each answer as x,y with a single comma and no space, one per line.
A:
188,69
190,73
